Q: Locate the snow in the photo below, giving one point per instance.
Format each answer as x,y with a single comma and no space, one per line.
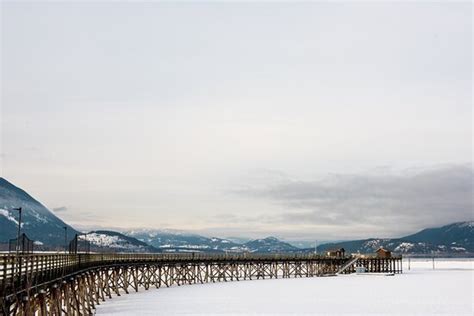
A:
404,247
447,290
101,239
8,216
193,246
104,240
185,246
469,224
39,218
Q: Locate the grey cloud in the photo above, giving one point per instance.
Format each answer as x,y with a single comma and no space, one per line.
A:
397,202
60,209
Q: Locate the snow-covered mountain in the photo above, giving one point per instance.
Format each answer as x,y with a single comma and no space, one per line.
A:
47,229
106,240
269,245
454,235
456,238
39,223
174,241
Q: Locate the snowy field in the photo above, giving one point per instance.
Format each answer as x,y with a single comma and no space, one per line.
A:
447,290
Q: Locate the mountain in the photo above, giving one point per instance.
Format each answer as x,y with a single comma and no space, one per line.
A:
106,240
39,223
175,241
456,238
238,240
454,235
46,229
269,245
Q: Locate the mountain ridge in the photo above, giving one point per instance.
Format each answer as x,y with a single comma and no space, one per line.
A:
38,222
454,238
46,228
109,240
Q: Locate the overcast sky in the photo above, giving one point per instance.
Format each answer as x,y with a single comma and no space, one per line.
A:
311,120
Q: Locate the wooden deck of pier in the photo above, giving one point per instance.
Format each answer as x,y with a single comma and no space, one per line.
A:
73,284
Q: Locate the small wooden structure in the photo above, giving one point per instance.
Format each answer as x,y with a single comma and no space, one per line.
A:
383,253
338,253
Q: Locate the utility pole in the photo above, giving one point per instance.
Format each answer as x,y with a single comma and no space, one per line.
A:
87,245
19,209
17,259
65,239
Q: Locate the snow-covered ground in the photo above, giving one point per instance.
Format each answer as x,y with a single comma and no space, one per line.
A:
447,290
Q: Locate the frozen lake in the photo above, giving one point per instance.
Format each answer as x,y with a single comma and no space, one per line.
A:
447,290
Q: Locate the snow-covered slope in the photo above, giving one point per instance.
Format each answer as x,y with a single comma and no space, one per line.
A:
175,241
456,238
117,242
460,235
38,222
269,245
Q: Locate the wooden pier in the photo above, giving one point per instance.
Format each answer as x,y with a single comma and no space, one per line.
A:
73,284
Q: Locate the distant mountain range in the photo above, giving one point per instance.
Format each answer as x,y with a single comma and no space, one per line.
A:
171,241
47,230
107,240
456,238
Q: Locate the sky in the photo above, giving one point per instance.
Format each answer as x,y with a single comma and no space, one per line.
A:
317,120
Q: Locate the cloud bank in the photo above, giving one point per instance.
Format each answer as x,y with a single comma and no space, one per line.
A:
382,203
60,209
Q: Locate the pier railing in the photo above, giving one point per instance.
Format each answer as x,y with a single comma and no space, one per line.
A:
49,264
29,281
23,270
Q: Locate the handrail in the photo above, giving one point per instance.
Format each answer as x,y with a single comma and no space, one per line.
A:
18,271
347,265
33,268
